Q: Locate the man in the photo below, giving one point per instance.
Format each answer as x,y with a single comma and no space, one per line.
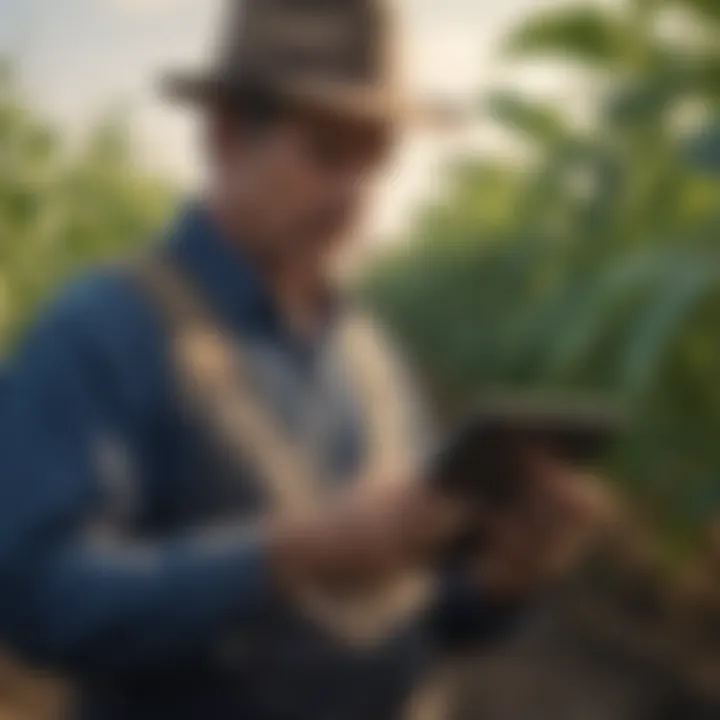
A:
198,499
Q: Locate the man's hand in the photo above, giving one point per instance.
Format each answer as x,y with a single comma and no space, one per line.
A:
545,534
366,535
377,530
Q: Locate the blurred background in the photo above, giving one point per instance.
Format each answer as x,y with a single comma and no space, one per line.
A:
566,242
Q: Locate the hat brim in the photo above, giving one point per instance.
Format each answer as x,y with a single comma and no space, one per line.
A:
356,103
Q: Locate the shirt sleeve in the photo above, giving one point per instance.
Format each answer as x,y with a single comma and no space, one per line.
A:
78,600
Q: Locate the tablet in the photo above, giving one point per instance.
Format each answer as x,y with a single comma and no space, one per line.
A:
482,458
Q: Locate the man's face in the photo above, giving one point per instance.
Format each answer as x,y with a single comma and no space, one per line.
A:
301,183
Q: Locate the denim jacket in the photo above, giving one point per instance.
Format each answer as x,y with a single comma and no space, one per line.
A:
112,568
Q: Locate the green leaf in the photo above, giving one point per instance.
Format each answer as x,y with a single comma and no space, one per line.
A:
588,34
537,121
708,9
661,325
702,151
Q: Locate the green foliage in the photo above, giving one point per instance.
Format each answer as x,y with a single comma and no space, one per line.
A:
62,211
589,34
532,119
595,267
706,9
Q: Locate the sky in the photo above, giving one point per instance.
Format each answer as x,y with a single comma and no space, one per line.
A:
79,59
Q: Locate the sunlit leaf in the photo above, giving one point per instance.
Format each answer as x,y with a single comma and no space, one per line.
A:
586,33
707,9
533,119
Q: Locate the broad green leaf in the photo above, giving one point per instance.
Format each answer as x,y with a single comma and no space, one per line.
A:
589,34
706,9
539,122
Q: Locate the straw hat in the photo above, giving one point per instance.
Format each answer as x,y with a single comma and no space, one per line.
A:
338,56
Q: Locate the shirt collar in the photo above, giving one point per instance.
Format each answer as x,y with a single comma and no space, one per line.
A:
224,274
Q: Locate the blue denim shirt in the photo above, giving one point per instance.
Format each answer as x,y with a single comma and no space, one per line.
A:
104,572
